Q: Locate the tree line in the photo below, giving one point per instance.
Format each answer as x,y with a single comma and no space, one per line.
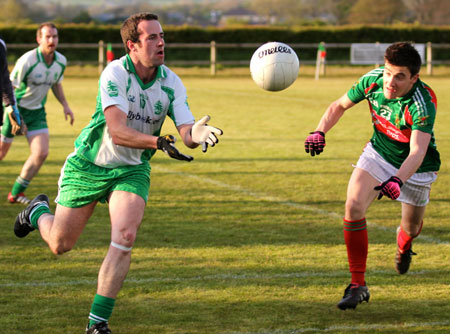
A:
287,13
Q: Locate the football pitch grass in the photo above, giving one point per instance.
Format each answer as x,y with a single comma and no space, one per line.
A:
245,239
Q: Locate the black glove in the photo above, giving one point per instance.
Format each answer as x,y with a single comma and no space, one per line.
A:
167,145
315,143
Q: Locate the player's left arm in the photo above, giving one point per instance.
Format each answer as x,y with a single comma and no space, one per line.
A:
199,133
59,94
419,142
185,133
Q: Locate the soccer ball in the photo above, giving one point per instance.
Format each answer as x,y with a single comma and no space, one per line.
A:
274,66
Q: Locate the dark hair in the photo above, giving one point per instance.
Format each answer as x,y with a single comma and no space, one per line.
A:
42,25
404,54
129,30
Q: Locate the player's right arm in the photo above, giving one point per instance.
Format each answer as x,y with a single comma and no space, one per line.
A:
123,135
20,69
315,142
333,113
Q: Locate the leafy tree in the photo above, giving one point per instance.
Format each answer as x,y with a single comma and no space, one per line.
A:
284,11
381,12
340,9
82,17
429,11
13,11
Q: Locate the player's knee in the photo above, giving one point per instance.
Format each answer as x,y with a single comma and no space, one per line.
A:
126,238
60,248
2,153
354,208
41,156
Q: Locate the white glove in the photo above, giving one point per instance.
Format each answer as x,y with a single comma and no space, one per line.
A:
205,134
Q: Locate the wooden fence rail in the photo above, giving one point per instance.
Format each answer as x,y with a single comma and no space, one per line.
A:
215,49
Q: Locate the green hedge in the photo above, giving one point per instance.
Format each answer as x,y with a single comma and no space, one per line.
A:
88,33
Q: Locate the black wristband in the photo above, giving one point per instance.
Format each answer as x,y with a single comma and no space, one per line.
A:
319,132
397,179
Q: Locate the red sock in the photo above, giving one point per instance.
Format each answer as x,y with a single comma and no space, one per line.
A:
357,242
404,241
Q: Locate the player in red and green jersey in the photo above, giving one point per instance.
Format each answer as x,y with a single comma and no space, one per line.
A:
400,161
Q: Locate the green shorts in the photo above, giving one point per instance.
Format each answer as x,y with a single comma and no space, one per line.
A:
36,120
82,182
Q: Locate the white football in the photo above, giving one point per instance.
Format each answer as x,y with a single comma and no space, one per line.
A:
274,66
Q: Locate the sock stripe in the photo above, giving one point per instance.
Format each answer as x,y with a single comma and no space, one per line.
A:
101,309
96,318
38,206
22,181
356,225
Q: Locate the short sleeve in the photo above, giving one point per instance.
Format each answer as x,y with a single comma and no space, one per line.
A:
112,87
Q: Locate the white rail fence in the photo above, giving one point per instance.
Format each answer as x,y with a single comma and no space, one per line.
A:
214,48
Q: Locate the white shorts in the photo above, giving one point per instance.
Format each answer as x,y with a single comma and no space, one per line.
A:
415,191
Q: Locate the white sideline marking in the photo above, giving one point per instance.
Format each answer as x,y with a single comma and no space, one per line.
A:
364,328
237,188
216,277
285,202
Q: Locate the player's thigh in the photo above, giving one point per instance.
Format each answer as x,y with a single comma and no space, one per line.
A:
4,148
39,143
126,210
360,193
68,223
412,216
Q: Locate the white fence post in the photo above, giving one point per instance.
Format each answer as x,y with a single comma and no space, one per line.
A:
213,57
429,59
101,56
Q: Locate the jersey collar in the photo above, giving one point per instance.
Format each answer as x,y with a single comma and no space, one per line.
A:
129,66
40,57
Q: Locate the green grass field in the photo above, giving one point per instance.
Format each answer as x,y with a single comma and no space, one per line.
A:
245,239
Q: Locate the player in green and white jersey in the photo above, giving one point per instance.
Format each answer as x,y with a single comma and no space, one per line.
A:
33,75
400,161
8,98
111,158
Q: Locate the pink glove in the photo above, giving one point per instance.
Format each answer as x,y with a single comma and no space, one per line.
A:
390,188
315,143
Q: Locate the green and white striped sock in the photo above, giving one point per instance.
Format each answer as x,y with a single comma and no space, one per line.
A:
101,309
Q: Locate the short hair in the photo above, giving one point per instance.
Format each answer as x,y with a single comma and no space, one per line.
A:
404,54
129,30
42,25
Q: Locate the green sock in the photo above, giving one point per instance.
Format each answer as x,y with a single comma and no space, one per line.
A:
38,211
101,309
19,186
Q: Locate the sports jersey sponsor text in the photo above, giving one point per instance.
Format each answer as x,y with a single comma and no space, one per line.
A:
144,119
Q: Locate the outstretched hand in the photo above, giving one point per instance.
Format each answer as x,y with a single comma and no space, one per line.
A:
315,143
205,134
